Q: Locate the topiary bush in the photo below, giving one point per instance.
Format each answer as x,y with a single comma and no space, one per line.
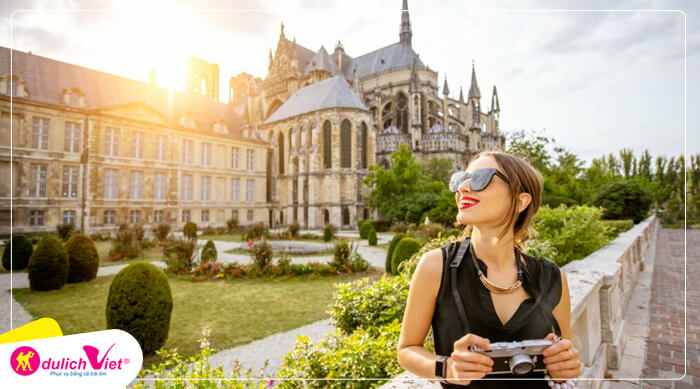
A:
327,233
372,237
390,251
64,231
83,258
403,251
48,265
364,230
625,199
161,231
21,250
140,303
294,229
190,230
208,252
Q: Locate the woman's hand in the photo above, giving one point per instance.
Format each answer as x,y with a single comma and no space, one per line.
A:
463,363
561,359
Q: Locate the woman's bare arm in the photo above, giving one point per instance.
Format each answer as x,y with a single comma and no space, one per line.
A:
562,312
420,305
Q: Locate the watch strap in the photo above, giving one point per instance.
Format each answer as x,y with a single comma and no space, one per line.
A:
441,368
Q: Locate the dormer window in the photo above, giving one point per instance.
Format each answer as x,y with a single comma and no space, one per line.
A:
73,97
220,127
187,121
12,86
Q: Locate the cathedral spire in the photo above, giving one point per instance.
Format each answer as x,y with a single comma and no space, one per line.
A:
282,31
405,32
495,106
461,94
474,88
445,88
415,82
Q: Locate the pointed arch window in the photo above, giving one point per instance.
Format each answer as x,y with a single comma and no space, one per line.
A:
402,113
363,146
345,144
280,150
327,144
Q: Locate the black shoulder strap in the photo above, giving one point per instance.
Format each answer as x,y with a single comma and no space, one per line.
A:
454,265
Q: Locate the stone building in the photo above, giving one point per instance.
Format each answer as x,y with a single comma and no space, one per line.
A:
97,150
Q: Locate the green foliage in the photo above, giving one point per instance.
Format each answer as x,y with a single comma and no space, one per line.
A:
613,228
367,353
403,251
429,231
48,265
541,248
362,304
180,255
327,233
208,252
438,169
409,266
125,245
625,199
402,227
161,231
390,251
372,237
190,230
257,230
21,249
140,303
378,225
293,229
232,226
261,253
139,233
341,253
83,258
530,146
64,231
364,230
575,232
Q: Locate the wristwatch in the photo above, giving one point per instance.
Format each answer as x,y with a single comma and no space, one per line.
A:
441,368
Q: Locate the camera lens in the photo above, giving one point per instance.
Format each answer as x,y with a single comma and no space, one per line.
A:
521,364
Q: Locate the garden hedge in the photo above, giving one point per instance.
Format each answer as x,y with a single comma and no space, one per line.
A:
48,265
21,250
83,258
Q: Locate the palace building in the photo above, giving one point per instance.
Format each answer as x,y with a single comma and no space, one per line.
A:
97,150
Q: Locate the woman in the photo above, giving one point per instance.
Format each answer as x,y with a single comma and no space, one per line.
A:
510,300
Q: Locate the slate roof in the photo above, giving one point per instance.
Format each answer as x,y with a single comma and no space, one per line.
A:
395,56
45,79
321,61
332,92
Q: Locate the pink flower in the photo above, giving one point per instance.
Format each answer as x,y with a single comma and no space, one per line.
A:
270,383
250,243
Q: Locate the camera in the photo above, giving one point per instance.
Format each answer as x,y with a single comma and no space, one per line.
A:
519,358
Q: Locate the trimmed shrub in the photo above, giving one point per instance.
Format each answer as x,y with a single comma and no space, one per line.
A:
231,225
341,254
21,252
190,230
626,199
256,231
372,237
64,231
294,229
364,230
327,233
208,252
161,231
261,253
48,265
379,225
403,251
390,251
140,303
83,258
402,227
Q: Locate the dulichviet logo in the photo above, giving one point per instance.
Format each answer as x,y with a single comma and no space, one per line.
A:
103,358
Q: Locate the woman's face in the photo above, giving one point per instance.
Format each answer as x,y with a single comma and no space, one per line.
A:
492,202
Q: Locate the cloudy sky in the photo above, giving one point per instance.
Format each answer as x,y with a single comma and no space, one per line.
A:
596,80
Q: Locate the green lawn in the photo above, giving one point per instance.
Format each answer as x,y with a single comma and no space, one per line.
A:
237,312
103,247
277,254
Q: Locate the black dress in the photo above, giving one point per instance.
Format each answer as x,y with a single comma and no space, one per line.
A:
528,322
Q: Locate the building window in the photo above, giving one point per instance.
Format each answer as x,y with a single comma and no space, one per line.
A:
69,217
161,147
40,134
363,146
206,188
345,144
250,215
327,144
250,160
206,154
250,191
135,217
136,186
137,145
36,218
185,215
346,216
111,182
280,152
158,216
112,141
159,186
187,148
187,187
38,184
70,182
71,141
234,214
234,158
235,189
205,215
110,217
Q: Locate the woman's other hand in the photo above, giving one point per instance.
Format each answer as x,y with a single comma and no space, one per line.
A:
561,359
464,366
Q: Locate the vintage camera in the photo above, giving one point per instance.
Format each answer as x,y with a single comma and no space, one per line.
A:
519,358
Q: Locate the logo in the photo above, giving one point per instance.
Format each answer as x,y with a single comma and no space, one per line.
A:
25,361
92,353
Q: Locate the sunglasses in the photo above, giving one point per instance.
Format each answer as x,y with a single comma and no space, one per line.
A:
480,179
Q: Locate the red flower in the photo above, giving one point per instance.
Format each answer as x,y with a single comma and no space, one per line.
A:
250,243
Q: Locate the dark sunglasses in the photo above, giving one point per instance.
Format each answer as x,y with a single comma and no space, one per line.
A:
479,180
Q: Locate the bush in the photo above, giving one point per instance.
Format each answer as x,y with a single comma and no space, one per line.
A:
64,231
125,245
372,237
430,231
190,230
613,228
231,225
261,253
341,254
83,258
180,255
48,265
256,231
541,248
364,230
327,233
402,227
379,225
626,199
138,232
140,303
208,252
161,231
390,251
293,229
21,252
403,251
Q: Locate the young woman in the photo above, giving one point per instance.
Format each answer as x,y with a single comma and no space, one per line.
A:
506,294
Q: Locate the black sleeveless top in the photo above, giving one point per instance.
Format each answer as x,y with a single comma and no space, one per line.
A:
528,322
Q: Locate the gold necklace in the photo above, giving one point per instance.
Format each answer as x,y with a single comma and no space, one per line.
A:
491,286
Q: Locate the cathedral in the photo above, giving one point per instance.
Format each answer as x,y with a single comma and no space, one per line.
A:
327,116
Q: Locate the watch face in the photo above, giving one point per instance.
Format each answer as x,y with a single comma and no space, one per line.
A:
440,368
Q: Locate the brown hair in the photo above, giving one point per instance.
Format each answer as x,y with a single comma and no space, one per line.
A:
523,178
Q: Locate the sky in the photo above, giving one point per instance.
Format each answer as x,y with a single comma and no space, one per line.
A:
594,79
